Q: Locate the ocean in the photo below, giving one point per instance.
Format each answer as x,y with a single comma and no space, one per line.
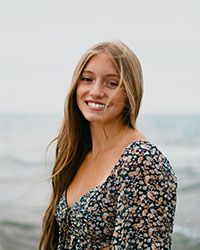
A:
25,167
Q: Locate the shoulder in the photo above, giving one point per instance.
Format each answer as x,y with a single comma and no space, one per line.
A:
143,153
142,159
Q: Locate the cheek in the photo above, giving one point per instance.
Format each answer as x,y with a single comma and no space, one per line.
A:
81,90
79,93
78,96
119,98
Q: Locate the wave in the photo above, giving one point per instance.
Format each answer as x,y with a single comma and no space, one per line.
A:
185,238
10,160
18,236
26,226
189,188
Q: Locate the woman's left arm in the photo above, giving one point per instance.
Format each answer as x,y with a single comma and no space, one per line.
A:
146,206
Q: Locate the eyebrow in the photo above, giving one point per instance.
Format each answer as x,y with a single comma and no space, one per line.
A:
90,72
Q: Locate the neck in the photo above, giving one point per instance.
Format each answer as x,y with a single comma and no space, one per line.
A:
107,136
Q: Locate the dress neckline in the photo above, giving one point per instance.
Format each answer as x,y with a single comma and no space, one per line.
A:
107,178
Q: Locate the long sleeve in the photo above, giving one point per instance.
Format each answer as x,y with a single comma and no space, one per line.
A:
146,202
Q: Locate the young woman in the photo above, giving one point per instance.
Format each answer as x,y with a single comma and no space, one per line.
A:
112,188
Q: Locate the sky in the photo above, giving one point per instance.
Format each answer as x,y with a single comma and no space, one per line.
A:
42,41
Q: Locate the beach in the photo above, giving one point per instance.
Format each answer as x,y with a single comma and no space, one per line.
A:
25,167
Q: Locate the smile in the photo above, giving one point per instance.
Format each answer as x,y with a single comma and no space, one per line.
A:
95,105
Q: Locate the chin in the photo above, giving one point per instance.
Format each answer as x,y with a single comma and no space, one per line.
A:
93,119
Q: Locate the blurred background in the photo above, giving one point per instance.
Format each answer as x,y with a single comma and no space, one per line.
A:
40,46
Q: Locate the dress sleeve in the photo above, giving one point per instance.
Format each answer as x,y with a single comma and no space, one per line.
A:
146,204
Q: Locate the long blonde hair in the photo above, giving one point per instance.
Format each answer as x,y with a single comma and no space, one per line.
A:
74,139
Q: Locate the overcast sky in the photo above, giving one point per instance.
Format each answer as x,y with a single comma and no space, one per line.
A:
44,39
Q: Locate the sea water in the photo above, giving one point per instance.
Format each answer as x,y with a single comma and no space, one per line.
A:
25,167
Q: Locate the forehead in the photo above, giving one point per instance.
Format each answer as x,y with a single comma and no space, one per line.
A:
101,63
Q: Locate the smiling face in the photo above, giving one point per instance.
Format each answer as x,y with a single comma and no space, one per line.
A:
99,96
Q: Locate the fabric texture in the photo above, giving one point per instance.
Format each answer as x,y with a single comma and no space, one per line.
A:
133,208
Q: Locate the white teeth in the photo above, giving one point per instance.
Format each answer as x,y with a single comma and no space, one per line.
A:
96,105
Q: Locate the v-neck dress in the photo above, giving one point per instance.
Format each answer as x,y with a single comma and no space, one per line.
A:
133,208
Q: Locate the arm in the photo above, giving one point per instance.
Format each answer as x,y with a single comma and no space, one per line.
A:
146,206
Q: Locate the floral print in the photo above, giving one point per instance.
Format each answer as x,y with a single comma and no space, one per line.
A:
133,208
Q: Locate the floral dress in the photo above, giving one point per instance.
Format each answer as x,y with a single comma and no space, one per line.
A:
133,208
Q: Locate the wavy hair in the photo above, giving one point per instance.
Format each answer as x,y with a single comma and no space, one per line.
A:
74,138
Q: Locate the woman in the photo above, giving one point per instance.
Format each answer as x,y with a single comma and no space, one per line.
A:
112,189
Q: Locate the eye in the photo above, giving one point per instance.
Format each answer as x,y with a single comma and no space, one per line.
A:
112,84
86,79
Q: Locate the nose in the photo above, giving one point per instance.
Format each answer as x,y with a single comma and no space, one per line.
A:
97,89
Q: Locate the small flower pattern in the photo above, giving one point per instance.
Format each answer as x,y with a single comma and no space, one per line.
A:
133,208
